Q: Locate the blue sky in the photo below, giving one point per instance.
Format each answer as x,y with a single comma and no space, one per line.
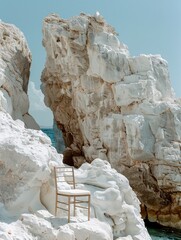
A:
148,27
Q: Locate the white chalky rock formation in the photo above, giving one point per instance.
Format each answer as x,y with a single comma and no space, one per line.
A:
26,157
15,61
112,106
27,190
27,160
112,199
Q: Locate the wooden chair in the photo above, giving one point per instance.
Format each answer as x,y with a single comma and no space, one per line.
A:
77,197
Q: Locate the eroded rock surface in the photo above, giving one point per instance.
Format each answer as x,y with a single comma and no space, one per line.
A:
15,61
116,107
27,160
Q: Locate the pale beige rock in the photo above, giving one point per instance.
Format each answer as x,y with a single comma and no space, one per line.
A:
115,107
15,61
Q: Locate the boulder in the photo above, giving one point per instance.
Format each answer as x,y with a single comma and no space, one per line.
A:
26,160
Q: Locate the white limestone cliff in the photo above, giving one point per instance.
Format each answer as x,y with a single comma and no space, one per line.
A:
119,108
15,61
27,160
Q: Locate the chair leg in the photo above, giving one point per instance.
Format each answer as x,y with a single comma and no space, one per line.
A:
55,210
68,209
74,204
88,208
56,206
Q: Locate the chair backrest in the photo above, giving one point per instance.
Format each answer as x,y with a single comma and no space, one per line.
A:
64,175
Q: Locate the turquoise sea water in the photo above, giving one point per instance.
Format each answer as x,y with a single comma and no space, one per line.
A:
157,232
50,134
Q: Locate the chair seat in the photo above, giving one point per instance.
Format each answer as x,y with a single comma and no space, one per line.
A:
76,198
74,192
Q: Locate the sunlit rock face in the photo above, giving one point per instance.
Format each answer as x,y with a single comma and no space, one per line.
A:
27,192
15,60
26,159
115,107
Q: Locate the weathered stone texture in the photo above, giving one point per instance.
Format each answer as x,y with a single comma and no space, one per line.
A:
15,61
116,107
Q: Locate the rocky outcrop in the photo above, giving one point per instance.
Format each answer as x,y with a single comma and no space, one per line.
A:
116,107
27,192
26,157
15,61
27,188
112,199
